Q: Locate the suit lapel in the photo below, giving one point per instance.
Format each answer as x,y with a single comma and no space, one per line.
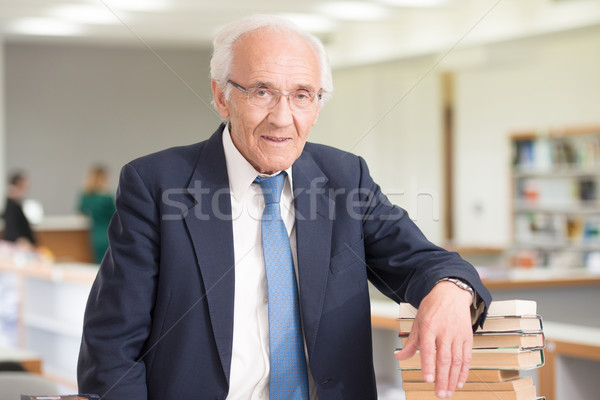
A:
210,227
313,240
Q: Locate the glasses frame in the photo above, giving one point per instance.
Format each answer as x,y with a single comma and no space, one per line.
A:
318,95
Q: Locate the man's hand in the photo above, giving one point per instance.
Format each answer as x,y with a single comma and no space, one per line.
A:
443,334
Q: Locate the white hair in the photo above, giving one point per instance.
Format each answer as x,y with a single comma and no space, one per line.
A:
222,58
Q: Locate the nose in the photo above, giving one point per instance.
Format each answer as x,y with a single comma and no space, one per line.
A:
281,113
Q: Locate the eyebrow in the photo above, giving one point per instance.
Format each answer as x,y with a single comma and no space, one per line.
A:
269,85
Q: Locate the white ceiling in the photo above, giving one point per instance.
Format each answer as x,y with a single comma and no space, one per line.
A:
382,31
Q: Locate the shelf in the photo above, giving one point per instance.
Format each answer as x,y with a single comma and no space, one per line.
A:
53,325
558,246
582,209
556,198
567,172
529,278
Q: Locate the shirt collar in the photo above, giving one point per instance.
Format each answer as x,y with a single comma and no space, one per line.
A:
241,173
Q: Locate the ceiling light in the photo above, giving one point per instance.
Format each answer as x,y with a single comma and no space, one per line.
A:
311,22
45,27
353,11
86,14
136,5
415,3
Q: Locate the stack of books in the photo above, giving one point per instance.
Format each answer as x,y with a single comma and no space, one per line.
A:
510,340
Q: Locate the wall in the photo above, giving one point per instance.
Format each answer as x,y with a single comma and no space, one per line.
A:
531,83
390,113
70,106
536,83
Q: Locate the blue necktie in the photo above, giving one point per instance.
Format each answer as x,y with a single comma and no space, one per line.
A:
289,377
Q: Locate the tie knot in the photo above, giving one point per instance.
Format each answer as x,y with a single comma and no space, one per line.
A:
271,186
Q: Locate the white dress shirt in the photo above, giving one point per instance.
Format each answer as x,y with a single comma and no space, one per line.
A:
250,363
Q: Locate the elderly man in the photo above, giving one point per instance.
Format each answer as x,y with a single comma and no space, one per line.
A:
238,266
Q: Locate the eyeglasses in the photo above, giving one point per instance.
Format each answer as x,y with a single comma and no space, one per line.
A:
266,98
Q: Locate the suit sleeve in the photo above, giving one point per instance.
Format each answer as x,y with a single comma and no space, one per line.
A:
401,262
117,320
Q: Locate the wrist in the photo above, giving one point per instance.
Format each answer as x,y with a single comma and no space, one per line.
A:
459,283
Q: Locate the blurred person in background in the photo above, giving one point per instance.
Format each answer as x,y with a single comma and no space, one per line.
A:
16,225
99,205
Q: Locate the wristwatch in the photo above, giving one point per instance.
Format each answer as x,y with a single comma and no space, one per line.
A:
477,306
460,283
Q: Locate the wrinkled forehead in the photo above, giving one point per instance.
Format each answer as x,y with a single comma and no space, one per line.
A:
276,55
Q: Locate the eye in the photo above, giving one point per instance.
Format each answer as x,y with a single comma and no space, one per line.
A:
303,95
262,92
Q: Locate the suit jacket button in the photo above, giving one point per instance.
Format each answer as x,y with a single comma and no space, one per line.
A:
326,381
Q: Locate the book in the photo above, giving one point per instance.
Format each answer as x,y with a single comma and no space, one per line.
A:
525,393
498,308
475,375
487,340
62,397
512,307
513,385
491,359
522,324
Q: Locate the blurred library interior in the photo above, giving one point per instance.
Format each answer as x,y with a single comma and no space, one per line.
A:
480,118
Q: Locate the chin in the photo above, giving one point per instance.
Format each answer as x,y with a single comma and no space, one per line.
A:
274,167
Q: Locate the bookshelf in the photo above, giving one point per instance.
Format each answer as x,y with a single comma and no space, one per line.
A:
555,198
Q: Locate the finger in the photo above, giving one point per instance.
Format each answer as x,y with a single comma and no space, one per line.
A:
412,344
455,367
442,368
428,354
409,349
466,364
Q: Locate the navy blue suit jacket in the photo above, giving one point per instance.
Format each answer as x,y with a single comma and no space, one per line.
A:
159,320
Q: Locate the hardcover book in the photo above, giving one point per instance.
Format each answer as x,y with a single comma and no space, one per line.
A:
510,358
487,340
511,385
498,308
525,393
480,375
522,324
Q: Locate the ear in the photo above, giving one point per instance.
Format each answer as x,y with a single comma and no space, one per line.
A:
220,101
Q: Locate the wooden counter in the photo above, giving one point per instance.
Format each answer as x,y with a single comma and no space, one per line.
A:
66,236
63,272
29,360
384,311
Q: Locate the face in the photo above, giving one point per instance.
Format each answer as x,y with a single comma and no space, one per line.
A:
270,139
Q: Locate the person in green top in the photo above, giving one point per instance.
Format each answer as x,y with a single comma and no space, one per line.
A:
99,205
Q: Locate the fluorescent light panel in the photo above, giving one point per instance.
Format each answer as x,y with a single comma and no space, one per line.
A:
86,14
415,3
135,5
311,22
353,11
45,27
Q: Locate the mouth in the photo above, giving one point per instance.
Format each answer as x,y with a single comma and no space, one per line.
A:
276,140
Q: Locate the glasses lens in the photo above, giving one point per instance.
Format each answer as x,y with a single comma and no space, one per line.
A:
262,97
302,99
267,98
